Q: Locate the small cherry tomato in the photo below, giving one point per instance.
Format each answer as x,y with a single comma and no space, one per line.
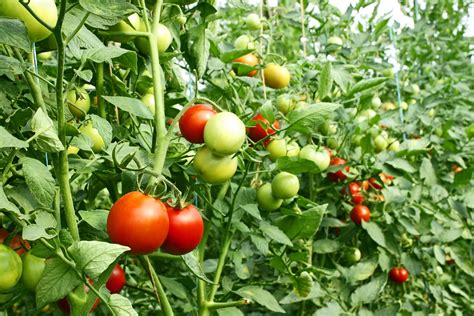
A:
338,175
360,213
116,280
258,132
399,275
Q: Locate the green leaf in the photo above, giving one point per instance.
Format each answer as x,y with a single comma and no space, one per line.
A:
39,180
96,218
106,54
306,224
57,281
130,105
45,130
296,165
331,309
342,78
325,81
108,8
369,292
191,261
326,246
174,287
316,291
375,233
462,258
200,50
5,204
365,85
252,209
427,172
260,243
275,233
44,221
304,120
391,310
104,128
229,311
13,33
94,257
261,296
401,164
361,271
121,305
229,56
10,67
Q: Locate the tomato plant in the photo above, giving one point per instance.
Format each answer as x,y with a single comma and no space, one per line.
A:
224,133
10,268
193,122
398,274
117,280
360,213
276,76
16,242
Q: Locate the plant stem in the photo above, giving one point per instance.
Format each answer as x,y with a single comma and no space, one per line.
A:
165,304
218,305
63,173
100,87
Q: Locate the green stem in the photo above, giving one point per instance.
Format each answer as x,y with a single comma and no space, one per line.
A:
100,87
218,305
63,173
165,304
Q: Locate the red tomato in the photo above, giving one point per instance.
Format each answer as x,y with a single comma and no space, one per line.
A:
249,59
360,213
398,275
338,175
116,280
257,132
365,185
194,120
16,243
138,221
186,229
355,190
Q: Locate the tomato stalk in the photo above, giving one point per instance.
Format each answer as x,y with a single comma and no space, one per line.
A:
158,288
100,87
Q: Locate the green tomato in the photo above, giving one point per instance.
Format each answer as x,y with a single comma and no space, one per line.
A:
470,131
181,19
415,89
285,185
431,113
10,268
98,143
394,145
404,106
369,114
351,255
163,39
388,73
72,150
244,42
149,100
78,101
33,268
380,143
335,40
277,148
265,199
45,9
253,22
132,24
292,149
328,128
224,133
333,143
376,102
284,103
214,169
320,157
357,139
45,56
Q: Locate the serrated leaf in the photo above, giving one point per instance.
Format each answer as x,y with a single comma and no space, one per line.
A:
401,164
115,8
47,135
252,209
369,292
44,221
375,233
306,224
275,234
5,204
10,67
296,165
229,56
121,305
13,33
96,218
361,271
261,296
94,257
427,172
331,309
39,180
391,310
174,287
260,243
193,265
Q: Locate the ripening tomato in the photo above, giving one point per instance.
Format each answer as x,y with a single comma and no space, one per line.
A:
186,229
193,121
116,280
10,268
224,133
360,213
46,10
338,175
258,132
285,185
276,76
265,199
212,168
249,59
16,243
138,221
398,275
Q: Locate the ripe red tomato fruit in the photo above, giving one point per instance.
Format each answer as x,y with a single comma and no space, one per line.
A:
398,275
249,59
338,175
257,132
194,120
186,229
138,221
360,213
374,183
355,190
116,280
16,243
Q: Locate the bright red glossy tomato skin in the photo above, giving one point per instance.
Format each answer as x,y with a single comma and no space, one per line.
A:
338,175
355,190
186,229
360,213
116,280
194,120
257,132
399,275
138,221
16,243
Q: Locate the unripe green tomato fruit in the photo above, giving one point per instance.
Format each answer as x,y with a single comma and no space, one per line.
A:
212,168
33,268
431,113
45,9
265,199
376,102
320,157
380,143
277,148
131,24
284,103
45,56
352,255
292,149
333,143
163,41
415,89
244,42
78,101
98,143
181,19
253,22
149,100
394,145
388,73
10,268
404,106
285,185
335,40
224,133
